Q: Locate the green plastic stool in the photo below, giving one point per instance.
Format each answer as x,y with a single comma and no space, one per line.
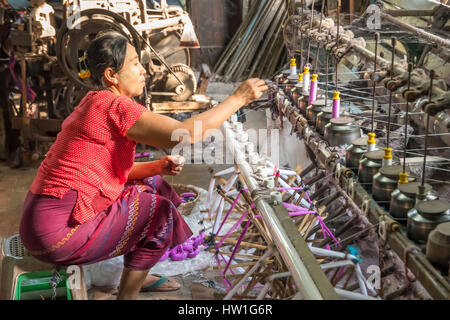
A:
33,285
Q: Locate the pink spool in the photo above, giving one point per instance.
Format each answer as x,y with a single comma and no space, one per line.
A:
313,90
336,109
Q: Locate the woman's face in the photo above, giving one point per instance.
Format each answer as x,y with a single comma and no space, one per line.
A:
131,78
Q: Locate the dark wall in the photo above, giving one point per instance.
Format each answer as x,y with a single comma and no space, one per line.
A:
215,23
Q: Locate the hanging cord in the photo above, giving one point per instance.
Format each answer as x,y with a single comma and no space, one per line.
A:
406,117
55,280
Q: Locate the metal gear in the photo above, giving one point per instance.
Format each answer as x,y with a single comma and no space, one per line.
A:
185,91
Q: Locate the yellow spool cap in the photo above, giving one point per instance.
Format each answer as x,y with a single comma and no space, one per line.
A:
305,70
314,78
387,153
293,63
300,77
371,139
336,95
403,177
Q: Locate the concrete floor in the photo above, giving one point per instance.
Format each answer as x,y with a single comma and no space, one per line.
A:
14,185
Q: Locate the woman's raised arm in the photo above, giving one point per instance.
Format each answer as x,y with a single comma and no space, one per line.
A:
156,130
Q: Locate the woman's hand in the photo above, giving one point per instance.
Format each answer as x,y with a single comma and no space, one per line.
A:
250,90
172,165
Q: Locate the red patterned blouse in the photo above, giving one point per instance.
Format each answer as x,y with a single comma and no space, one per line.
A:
91,153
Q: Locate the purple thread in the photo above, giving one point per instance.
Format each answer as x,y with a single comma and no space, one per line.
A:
241,237
291,188
336,109
188,194
233,227
327,231
307,197
229,211
225,281
312,92
292,214
290,206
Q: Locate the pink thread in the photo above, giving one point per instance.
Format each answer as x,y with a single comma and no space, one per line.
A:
336,109
225,281
241,237
312,92
233,227
229,211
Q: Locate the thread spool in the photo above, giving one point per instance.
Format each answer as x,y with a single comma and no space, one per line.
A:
238,126
253,158
313,90
243,137
249,147
293,67
387,158
403,177
371,142
336,105
300,79
306,81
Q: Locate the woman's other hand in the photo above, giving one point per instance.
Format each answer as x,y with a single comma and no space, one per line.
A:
172,165
250,90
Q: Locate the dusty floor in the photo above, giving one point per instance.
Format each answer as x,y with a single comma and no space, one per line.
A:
14,184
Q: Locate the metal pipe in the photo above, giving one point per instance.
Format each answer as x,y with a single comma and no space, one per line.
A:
426,130
406,118
310,28
429,277
353,295
426,35
265,256
337,40
377,39
288,252
388,141
301,36
316,59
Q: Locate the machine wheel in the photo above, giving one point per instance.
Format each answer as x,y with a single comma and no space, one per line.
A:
167,44
186,75
72,96
71,43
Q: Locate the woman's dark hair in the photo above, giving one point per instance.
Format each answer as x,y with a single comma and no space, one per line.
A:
106,51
